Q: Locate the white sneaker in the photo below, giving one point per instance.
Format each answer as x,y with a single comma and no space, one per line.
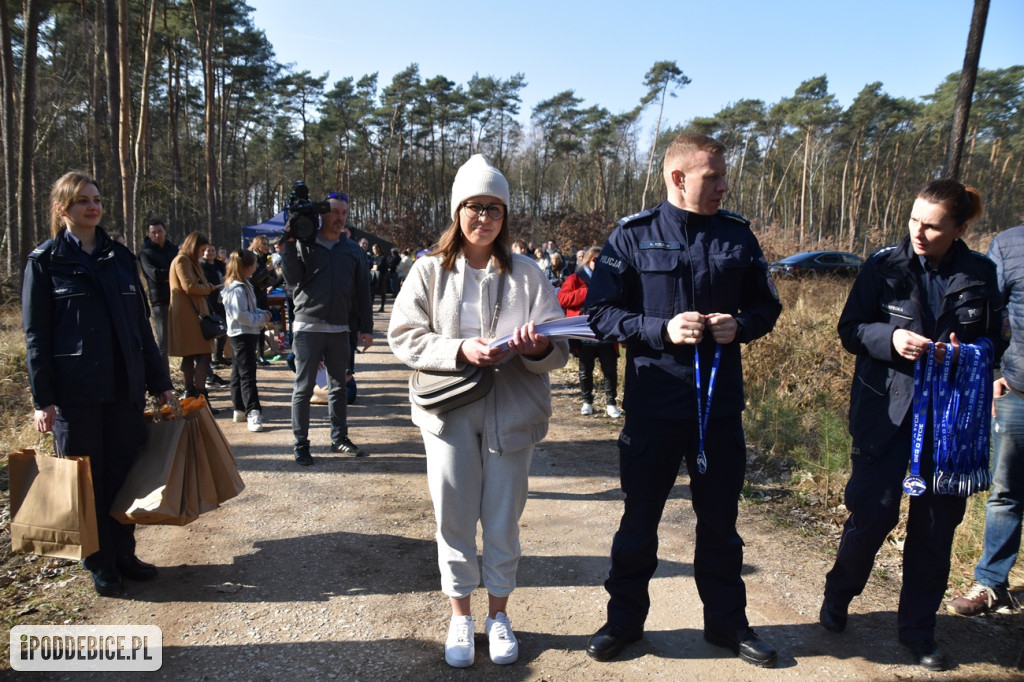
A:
459,649
588,408
238,417
503,644
614,412
255,421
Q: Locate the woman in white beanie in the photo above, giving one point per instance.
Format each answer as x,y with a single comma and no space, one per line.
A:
478,455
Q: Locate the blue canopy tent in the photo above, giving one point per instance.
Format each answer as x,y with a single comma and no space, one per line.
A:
271,228
275,226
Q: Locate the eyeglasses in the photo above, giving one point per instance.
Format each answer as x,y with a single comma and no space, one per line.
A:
337,195
494,211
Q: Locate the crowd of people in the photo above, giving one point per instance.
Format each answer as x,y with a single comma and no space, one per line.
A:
680,287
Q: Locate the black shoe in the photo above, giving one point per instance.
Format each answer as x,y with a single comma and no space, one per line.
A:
348,447
927,654
832,617
380,310
746,644
610,640
134,569
107,582
302,456
214,380
213,410
190,392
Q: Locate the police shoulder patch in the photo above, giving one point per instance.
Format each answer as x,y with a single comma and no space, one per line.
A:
636,218
882,250
41,249
733,216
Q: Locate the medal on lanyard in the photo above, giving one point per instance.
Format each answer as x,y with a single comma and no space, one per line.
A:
944,403
914,485
704,411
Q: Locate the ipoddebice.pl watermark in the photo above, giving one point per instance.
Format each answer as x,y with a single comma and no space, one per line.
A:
86,647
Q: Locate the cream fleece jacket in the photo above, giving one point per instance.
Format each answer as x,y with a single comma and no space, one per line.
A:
424,334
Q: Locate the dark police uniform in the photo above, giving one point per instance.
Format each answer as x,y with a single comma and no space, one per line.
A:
895,290
658,264
90,352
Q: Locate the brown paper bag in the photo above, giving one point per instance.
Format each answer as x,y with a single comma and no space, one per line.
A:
154,490
53,509
202,477
218,453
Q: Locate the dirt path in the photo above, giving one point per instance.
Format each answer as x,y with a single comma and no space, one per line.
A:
329,572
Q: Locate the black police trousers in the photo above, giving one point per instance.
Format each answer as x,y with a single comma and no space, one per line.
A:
651,452
110,435
873,497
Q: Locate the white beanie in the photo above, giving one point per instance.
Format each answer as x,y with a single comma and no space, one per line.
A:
477,177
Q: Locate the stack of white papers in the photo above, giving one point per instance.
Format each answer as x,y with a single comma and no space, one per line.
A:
565,328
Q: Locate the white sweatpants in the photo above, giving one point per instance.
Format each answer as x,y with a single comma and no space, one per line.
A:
469,484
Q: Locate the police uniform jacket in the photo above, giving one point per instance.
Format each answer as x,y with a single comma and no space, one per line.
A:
666,261
83,314
887,296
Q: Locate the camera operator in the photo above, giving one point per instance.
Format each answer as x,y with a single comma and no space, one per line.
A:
329,277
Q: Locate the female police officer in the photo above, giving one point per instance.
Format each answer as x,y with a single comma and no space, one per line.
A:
91,357
929,287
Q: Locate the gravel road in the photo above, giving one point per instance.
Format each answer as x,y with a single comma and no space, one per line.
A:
329,572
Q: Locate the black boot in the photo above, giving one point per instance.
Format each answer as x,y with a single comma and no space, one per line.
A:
213,410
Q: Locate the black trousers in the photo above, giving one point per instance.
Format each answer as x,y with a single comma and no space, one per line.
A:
244,394
609,359
873,497
110,435
159,316
650,455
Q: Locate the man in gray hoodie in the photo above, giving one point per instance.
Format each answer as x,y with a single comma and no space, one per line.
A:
330,285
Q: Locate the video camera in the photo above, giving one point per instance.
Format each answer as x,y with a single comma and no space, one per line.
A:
303,214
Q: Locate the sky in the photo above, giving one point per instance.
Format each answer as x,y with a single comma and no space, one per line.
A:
730,49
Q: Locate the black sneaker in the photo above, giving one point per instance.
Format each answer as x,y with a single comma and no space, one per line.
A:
302,456
348,447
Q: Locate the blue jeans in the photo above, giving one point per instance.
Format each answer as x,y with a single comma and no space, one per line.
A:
1006,502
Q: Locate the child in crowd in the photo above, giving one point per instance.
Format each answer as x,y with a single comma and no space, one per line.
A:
245,325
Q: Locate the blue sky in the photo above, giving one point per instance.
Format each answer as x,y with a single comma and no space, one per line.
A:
731,49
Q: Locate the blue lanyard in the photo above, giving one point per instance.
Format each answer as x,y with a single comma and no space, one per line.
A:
960,428
913,484
704,411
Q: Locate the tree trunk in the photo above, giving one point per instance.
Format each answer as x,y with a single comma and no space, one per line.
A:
803,183
142,135
965,90
113,107
654,148
26,198
125,124
8,107
209,91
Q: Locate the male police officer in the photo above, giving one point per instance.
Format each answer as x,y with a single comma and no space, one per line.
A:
681,278
331,289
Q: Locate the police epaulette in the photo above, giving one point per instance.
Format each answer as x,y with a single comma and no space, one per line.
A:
734,216
41,249
883,250
636,217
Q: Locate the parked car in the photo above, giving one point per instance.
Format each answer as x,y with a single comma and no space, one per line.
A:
818,263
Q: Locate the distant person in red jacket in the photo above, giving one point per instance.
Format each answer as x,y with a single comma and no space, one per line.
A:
571,297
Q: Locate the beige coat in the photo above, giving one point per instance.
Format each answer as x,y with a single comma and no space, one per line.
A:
183,334
424,334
